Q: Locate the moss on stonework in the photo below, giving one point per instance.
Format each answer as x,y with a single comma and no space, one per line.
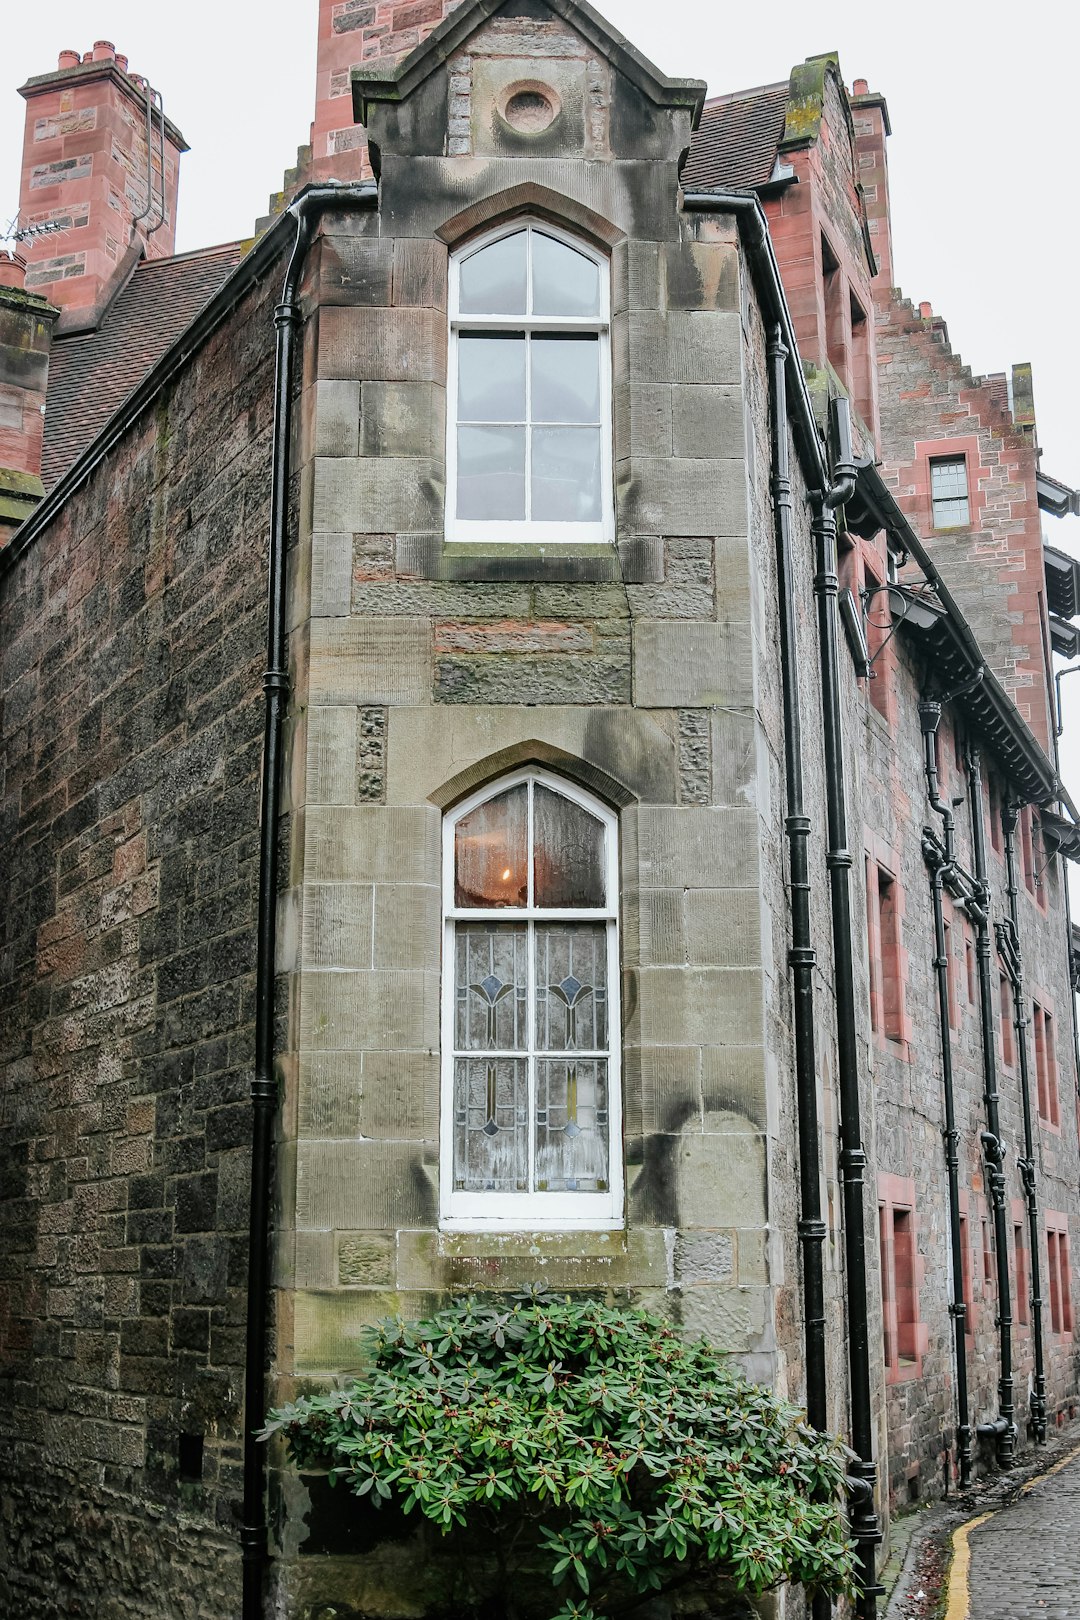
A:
19,494
30,302
26,485
806,99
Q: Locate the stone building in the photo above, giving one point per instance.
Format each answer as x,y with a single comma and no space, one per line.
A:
659,701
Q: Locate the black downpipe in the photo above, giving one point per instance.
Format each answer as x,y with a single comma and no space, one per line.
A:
1009,949
1003,1429
864,1520
287,318
801,955
939,860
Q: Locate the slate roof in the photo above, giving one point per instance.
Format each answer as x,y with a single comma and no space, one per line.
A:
734,147
92,373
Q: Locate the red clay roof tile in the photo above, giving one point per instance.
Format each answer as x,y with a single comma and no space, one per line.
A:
92,373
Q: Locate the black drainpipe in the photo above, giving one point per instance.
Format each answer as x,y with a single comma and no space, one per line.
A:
287,319
1003,1429
801,956
941,863
1008,935
864,1520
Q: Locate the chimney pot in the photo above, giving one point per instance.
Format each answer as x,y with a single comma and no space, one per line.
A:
88,56
926,311
104,50
860,88
121,62
12,270
69,59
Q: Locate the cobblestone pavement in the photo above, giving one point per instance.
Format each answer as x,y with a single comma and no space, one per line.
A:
1025,1560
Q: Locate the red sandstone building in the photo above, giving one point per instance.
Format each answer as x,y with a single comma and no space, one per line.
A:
741,645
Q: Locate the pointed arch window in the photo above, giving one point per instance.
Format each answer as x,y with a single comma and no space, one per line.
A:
529,389
531,1132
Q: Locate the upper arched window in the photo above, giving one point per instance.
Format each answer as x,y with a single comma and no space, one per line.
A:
531,1133
529,390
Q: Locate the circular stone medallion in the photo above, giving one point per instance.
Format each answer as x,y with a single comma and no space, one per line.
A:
529,107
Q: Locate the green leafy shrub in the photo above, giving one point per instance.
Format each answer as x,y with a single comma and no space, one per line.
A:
588,1441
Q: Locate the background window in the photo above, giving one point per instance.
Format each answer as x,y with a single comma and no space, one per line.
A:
1058,1266
899,1290
949,492
1046,1066
529,433
531,1120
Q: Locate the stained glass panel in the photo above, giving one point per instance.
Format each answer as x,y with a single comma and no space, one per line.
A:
491,852
491,988
571,1125
571,987
568,852
491,1125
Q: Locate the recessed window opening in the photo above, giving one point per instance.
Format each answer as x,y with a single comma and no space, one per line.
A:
949,492
531,1132
1027,849
987,1255
1008,1047
832,281
899,1295
1058,1267
892,983
1045,1065
189,1457
1021,1269
965,1275
862,390
529,390
994,812
879,629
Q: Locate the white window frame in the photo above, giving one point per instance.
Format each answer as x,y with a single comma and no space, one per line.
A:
537,533
532,1211
939,502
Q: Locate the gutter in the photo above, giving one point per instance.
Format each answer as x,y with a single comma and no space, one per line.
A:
305,211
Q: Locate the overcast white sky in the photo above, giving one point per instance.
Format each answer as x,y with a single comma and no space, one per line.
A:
982,100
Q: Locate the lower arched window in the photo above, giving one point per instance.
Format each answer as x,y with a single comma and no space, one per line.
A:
531,1118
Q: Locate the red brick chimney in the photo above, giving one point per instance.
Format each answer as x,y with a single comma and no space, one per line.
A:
84,200
872,129
26,323
352,32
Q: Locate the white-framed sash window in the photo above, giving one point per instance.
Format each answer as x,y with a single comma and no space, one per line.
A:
529,389
531,1118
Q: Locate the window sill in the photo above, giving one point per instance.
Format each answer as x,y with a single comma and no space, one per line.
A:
638,561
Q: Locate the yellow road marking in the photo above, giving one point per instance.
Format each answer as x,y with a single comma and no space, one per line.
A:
957,1604
956,1608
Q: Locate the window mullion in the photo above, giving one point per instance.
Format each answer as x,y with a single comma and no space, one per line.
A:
528,426
530,1024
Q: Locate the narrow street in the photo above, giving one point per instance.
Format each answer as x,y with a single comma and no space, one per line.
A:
1025,1559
